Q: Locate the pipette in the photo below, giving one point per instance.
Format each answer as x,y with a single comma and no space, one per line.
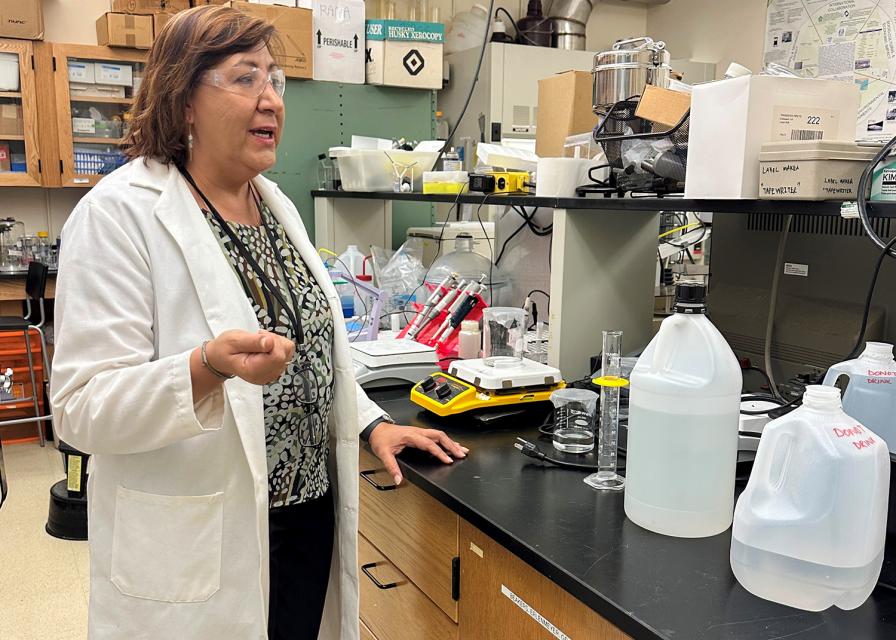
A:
462,312
419,320
447,299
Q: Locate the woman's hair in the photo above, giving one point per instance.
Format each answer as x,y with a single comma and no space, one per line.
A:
192,42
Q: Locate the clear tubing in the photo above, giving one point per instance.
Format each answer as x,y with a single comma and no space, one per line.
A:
606,477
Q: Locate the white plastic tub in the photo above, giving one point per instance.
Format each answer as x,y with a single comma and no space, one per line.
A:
9,72
812,170
372,170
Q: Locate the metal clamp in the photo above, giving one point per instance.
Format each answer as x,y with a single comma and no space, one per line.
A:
379,585
376,485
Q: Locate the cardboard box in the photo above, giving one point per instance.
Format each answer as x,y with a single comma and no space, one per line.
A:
564,109
159,20
293,51
338,30
21,19
663,106
124,30
4,157
11,120
731,119
149,7
202,3
405,54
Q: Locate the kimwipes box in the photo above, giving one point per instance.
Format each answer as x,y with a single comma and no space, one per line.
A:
564,109
405,54
731,120
292,49
21,19
124,30
338,33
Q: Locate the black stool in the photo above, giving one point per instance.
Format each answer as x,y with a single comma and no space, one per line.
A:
35,288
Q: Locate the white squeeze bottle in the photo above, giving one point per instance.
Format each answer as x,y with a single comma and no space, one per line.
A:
809,528
352,262
684,410
870,396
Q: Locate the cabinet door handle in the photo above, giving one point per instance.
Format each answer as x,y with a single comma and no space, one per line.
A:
379,585
367,475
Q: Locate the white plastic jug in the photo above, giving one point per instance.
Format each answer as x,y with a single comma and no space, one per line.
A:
809,529
467,29
870,396
682,429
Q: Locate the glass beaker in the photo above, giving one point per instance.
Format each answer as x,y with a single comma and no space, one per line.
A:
574,412
503,336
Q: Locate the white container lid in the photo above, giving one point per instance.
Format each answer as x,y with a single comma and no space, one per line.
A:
816,150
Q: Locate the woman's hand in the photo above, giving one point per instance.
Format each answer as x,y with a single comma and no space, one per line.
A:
388,440
258,358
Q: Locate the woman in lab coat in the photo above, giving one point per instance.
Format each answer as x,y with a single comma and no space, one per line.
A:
198,360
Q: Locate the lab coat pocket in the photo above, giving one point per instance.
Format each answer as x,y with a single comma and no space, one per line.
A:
167,548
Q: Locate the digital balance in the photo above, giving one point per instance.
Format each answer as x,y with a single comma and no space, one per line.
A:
472,385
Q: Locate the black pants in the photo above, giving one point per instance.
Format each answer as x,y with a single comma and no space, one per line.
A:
301,538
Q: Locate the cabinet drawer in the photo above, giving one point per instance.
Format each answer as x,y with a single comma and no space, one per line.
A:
366,634
396,609
413,530
497,587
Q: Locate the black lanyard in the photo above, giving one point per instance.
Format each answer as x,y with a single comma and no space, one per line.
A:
295,319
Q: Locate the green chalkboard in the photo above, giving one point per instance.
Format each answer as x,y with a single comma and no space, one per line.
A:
320,115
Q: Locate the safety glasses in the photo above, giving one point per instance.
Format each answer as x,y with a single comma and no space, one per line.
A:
246,80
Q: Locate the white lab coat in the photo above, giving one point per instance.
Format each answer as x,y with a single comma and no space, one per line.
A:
178,491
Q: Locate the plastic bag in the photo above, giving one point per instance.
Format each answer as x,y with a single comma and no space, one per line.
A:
399,274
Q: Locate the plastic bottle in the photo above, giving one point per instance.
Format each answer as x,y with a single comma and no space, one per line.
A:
469,340
535,29
451,161
499,32
442,130
870,396
684,411
352,261
467,29
809,529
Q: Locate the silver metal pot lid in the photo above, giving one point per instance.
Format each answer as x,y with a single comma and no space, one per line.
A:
636,52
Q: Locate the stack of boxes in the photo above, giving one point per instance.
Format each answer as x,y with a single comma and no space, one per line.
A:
134,24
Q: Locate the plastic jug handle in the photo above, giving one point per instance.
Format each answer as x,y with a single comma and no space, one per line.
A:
834,372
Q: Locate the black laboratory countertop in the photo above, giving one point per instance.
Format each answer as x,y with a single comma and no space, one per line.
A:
648,585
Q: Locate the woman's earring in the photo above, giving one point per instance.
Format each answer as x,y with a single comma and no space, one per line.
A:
190,144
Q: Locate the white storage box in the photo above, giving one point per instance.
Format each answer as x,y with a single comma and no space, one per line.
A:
80,71
338,32
819,170
372,170
9,72
405,54
112,73
80,90
731,120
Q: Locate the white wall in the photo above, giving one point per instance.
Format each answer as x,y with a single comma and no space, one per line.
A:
720,31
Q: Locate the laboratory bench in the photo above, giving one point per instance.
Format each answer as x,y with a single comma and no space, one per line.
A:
543,555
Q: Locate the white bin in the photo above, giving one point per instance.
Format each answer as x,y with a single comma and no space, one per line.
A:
372,170
9,72
812,170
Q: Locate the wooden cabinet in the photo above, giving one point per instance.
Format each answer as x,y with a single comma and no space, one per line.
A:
415,532
94,88
20,164
392,606
503,597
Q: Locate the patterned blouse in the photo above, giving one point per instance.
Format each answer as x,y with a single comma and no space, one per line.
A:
296,435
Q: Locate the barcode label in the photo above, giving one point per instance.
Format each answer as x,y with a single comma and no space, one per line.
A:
806,134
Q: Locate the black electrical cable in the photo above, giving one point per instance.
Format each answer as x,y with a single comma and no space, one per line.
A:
768,380
862,201
507,241
868,298
793,403
529,449
463,112
544,293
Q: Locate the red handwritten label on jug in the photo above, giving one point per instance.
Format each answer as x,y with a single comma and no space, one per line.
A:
855,432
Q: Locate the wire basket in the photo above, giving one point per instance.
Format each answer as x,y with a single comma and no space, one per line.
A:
98,162
663,158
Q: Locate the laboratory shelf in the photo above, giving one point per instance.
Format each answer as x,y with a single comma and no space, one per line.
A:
650,586
600,203
10,94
